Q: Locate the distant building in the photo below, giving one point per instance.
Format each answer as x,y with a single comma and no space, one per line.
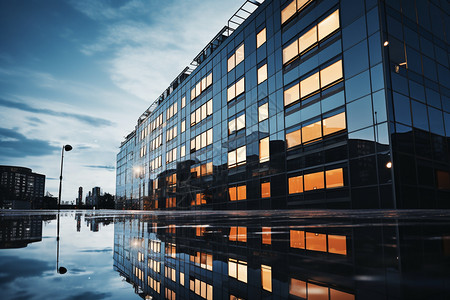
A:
80,196
93,198
20,188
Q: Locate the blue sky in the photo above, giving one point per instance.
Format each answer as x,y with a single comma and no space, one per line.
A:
81,72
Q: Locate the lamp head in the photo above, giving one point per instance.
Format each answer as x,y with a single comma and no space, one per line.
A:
68,147
62,270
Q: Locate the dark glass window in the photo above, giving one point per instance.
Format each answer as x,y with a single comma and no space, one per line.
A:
357,86
402,109
355,32
356,59
419,113
436,121
359,114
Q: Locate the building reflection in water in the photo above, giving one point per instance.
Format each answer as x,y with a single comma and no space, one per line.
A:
236,256
19,231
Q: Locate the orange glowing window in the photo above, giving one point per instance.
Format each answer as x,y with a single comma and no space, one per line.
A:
316,241
297,288
233,234
266,236
288,12
265,190
334,178
337,244
297,239
242,192
266,277
295,184
242,234
314,181
293,138
291,95
334,124
200,230
338,295
309,85
312,131
317,292
232,192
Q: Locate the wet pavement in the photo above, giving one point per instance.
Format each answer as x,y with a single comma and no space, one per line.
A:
313,254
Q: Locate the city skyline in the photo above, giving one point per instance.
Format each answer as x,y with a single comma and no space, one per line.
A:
80,73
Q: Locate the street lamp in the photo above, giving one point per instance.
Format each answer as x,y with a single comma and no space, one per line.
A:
60,270
64,148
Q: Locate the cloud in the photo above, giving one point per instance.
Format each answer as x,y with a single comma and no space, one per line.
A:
13,267
83,118
110,168
14,144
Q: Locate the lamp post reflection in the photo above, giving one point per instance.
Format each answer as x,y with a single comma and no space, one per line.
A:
60,270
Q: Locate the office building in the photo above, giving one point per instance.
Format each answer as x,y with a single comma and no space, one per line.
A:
305,104
80,196
20,188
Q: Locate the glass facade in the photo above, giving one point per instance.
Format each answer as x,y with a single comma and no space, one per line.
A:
307,104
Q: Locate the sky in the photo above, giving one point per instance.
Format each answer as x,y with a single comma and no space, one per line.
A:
81,72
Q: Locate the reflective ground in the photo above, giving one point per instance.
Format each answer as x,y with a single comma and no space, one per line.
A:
334,255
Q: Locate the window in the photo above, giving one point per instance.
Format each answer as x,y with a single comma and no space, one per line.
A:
171,250
262,74
312,131
264,154
238,234
316,241
265,190
182,278
154,265
237,192
202,140
236,89
295,184
291,95
169,294
237,157
309,85
329,25
153,284
183,151
201,288
201,113
204,260
314,181
236,124
289,11
334,178
290,52
337,244
183,126
261,38
171,133
266,277
171,155
334,124
311,37
172,111
297,239
202,170
293,138
307,40
266,236
237,269
183,102
200,199
201,85
331,73
236,58
263,112
170,273
297,288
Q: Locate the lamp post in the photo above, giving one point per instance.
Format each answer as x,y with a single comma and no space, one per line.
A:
60,270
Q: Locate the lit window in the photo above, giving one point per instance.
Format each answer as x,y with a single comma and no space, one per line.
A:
329,25
316,241
297,288
209,108
231,62
241,155
311,132
209,79
182,278
240,54
295,184
265,190
183,101
266,277
266,236
334,178
293,138
337,244
263,112
308,39
237,269
264,154
232,193
288,12
290,52
309,85
314,181
331,73
236,124
242,192
297,239
262,74
291,95
334,124
261,38
338,295
183,151
236,89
